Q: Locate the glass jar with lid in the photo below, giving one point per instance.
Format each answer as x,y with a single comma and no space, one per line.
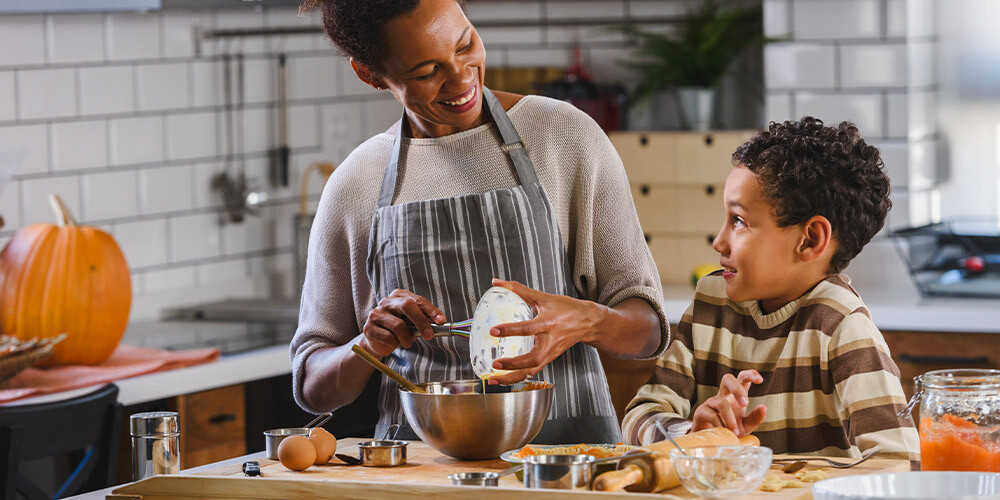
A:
959,419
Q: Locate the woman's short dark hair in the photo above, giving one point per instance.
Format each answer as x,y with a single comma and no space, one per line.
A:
807,169
355,26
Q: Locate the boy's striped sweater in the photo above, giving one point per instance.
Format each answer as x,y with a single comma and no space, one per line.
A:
830,386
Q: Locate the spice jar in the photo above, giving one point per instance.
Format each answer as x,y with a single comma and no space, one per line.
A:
959,420
155,444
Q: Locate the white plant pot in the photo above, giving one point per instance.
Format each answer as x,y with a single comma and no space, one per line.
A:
697,106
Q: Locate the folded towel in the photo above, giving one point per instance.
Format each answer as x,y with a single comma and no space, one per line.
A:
127,361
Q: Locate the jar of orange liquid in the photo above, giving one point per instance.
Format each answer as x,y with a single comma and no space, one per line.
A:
959,420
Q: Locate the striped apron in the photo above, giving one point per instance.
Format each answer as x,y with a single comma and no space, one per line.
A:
448,250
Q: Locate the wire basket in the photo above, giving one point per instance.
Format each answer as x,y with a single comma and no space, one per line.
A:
13,364
17,354
948,259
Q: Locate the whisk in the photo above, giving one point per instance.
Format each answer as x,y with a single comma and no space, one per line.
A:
459,328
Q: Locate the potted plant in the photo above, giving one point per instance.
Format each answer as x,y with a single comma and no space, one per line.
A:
693,59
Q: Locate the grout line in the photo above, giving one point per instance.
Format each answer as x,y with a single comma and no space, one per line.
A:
789,20
885,114
267,252
838,85
17,93
884,21
285,201
216,108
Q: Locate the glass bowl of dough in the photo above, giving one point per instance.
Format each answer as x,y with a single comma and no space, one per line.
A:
721,471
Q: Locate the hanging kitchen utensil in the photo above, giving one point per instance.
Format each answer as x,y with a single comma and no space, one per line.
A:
232,185
282,153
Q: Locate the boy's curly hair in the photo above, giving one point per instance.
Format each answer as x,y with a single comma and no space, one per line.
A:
355,26
808,169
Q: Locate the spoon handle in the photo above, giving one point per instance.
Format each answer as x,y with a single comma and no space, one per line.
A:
389,372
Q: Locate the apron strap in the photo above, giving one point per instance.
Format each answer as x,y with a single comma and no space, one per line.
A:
511,139
388,191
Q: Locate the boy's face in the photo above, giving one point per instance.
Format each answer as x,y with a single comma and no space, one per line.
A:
758,256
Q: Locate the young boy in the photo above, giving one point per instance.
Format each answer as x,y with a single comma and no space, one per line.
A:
777,343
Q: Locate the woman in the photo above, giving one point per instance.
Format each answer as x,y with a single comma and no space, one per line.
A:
469,186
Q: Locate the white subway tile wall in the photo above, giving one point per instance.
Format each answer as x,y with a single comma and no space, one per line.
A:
836,19
133,36
799,65
777,23
27,33
77,145
32,143
8,96
75,38
897,114
865,110
869,62
47,93
35,193
112,195
163,86
106,90
137,140
867,66
123,115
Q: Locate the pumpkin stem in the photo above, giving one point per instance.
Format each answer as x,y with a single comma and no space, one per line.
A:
62,213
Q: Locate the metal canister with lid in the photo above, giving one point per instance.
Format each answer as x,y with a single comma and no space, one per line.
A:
959,419
155,444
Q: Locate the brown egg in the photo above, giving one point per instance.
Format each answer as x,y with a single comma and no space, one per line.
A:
325,443
296,452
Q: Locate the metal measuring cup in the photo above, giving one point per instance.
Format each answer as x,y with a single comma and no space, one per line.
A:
273,437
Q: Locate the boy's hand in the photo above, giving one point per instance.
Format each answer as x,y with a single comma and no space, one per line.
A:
728,407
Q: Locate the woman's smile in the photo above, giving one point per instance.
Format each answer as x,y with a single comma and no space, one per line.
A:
464,102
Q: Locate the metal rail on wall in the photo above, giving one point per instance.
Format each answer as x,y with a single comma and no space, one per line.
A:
215,34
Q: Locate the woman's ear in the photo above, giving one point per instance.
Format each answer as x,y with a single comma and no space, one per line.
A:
817,238
367,75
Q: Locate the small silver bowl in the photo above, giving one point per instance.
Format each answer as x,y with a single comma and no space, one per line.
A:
564,472
383,453
475,479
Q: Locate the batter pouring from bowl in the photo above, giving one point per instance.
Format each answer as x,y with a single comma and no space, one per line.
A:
470,189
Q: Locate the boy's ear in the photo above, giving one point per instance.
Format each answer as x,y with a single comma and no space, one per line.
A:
817,238
367,75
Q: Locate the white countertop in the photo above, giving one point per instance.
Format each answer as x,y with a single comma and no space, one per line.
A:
902,311
229,369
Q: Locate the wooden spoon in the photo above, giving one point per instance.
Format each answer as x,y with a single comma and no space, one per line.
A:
367,356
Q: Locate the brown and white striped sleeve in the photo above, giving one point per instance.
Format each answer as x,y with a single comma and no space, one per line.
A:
867,383
667,396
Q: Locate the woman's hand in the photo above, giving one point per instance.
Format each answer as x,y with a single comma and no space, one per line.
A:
560,322
728,407
387,326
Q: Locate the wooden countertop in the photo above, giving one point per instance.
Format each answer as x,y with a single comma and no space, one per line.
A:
425,475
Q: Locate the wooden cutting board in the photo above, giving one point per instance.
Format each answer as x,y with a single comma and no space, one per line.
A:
425,475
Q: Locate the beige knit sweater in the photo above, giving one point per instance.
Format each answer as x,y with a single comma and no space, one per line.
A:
575,162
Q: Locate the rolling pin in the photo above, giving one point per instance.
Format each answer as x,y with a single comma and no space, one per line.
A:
654,473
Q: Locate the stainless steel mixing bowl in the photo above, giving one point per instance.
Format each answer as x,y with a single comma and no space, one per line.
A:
459,422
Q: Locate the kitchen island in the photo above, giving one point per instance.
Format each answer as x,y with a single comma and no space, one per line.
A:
424,476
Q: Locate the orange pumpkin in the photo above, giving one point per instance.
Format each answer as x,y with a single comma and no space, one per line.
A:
65,278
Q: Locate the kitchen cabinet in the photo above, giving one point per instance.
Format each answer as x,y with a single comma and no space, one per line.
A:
677,180
213,425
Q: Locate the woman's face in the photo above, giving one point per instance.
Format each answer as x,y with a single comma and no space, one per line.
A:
435,68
